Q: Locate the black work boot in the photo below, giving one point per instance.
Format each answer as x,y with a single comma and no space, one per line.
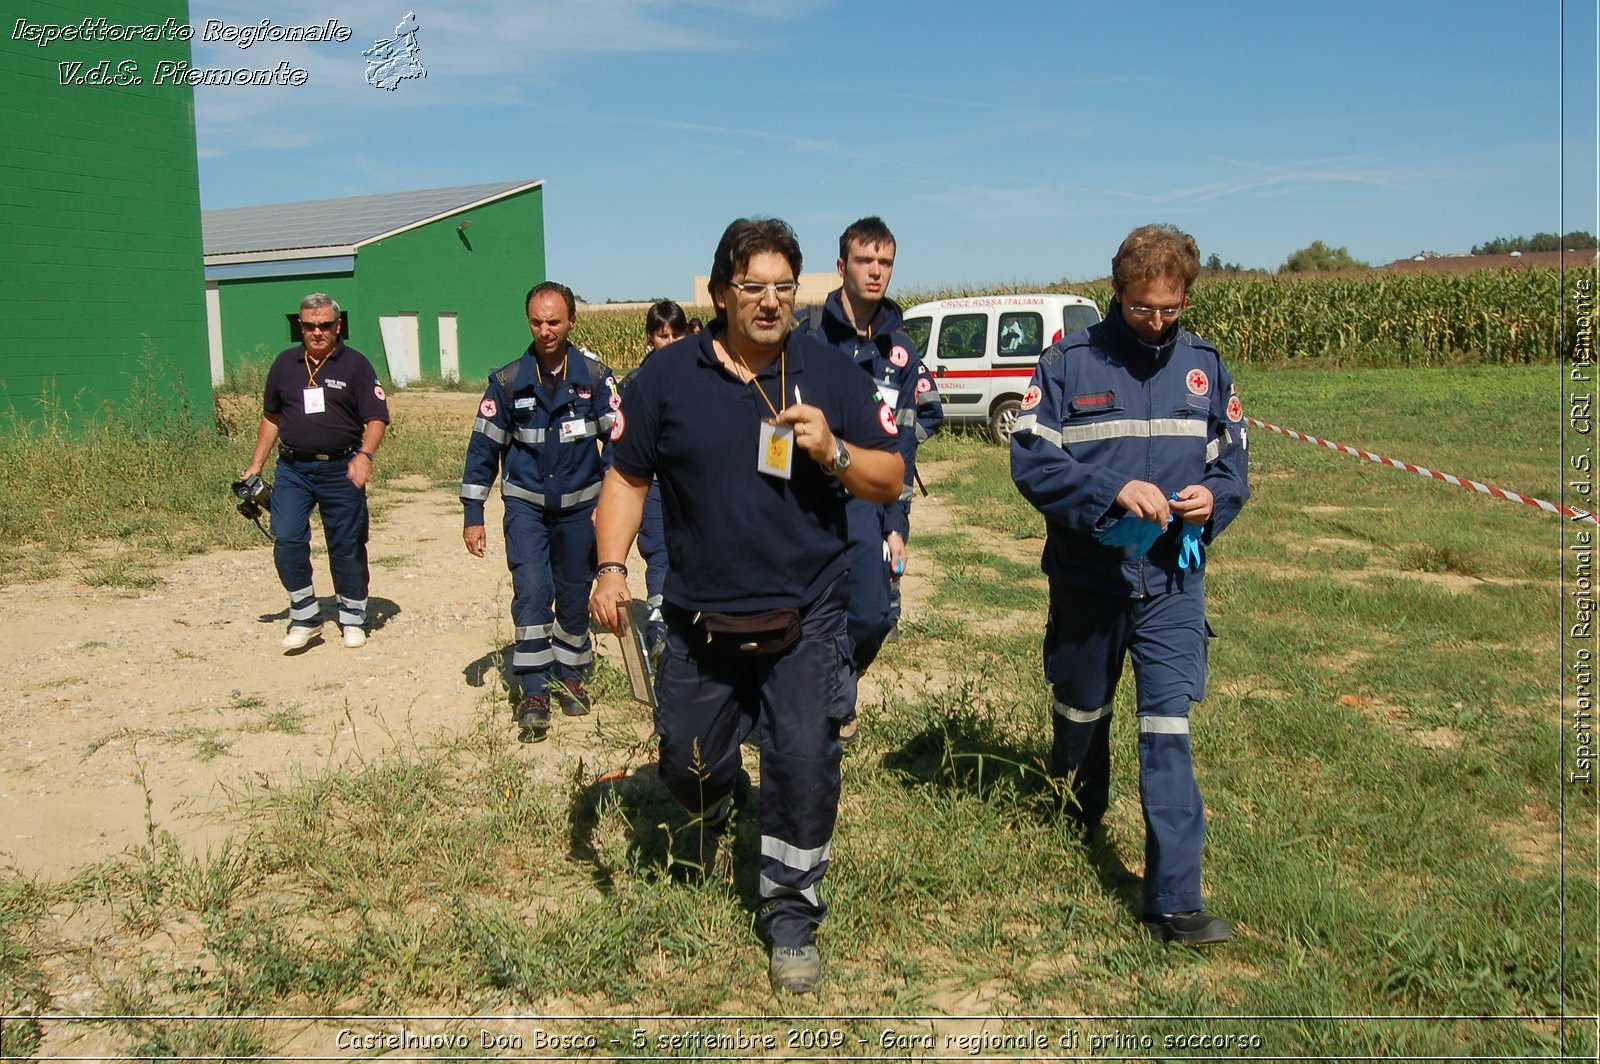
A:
533,718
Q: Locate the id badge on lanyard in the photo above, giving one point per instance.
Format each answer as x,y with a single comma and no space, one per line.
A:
315,400
775,450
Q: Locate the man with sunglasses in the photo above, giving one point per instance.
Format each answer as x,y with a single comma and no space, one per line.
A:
326,411
1131,442
758,436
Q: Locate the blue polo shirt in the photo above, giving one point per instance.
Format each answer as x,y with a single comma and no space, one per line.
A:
739,540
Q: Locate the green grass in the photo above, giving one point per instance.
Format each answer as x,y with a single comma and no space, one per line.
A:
1375,745
1378,750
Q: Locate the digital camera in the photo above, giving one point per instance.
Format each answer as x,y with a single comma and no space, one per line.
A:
254,495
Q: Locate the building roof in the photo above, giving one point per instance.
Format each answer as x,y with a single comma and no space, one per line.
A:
328,227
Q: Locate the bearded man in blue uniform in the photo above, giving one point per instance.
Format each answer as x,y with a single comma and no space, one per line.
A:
1132,443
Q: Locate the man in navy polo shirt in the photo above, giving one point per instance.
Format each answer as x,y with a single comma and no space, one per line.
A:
746,425
326,411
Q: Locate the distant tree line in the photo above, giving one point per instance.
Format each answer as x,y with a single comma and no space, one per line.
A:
1318,257
1575,240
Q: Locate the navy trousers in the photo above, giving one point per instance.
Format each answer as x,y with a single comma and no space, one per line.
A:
869,582
297,487
705,708
551,558
1086,640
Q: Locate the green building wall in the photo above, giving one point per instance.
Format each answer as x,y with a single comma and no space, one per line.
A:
480,274
100,251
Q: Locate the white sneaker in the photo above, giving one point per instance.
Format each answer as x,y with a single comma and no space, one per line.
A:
299,635
354,636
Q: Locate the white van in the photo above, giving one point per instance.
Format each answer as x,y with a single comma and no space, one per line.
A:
982,350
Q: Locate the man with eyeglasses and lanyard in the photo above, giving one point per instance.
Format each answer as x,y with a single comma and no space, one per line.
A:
758,435
326,411
1131,442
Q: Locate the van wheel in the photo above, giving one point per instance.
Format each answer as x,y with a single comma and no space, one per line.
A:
1002,419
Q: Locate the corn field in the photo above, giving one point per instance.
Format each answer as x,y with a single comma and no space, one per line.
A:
1381,319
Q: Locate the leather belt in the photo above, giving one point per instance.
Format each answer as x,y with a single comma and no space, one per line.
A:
294,455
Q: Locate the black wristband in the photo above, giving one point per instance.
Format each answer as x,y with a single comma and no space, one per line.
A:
369,456
611,567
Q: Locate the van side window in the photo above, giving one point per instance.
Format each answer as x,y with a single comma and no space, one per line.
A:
1021,335
918,329
963,335
1077,317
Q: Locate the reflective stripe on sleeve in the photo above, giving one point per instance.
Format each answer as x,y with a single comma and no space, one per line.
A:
491,430
1029,423
475,492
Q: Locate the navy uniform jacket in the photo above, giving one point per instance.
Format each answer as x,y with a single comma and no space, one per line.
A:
890,358
551,451
1104,408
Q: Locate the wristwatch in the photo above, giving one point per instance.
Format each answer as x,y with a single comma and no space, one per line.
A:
841,458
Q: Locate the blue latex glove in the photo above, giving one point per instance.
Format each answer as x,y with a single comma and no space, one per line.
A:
1134,532
1189,546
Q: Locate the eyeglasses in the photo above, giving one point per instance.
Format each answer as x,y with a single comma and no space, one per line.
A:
1166,313
756,289
324,326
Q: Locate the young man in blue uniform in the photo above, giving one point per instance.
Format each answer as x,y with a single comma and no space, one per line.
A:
757,435
326,411
544,426
1131,433
861,320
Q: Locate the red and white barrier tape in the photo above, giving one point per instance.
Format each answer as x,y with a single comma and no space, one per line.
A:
1460,482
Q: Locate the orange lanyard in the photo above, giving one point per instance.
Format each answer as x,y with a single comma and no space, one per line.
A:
311,374
783,378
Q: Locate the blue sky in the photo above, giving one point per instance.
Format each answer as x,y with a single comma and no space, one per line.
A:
1002,142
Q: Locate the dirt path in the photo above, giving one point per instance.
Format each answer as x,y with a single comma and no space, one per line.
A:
185,688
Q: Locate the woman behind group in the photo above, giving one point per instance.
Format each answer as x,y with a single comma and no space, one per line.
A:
664,323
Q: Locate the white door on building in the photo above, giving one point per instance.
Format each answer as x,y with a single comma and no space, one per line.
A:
449,353
401,347
214,332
